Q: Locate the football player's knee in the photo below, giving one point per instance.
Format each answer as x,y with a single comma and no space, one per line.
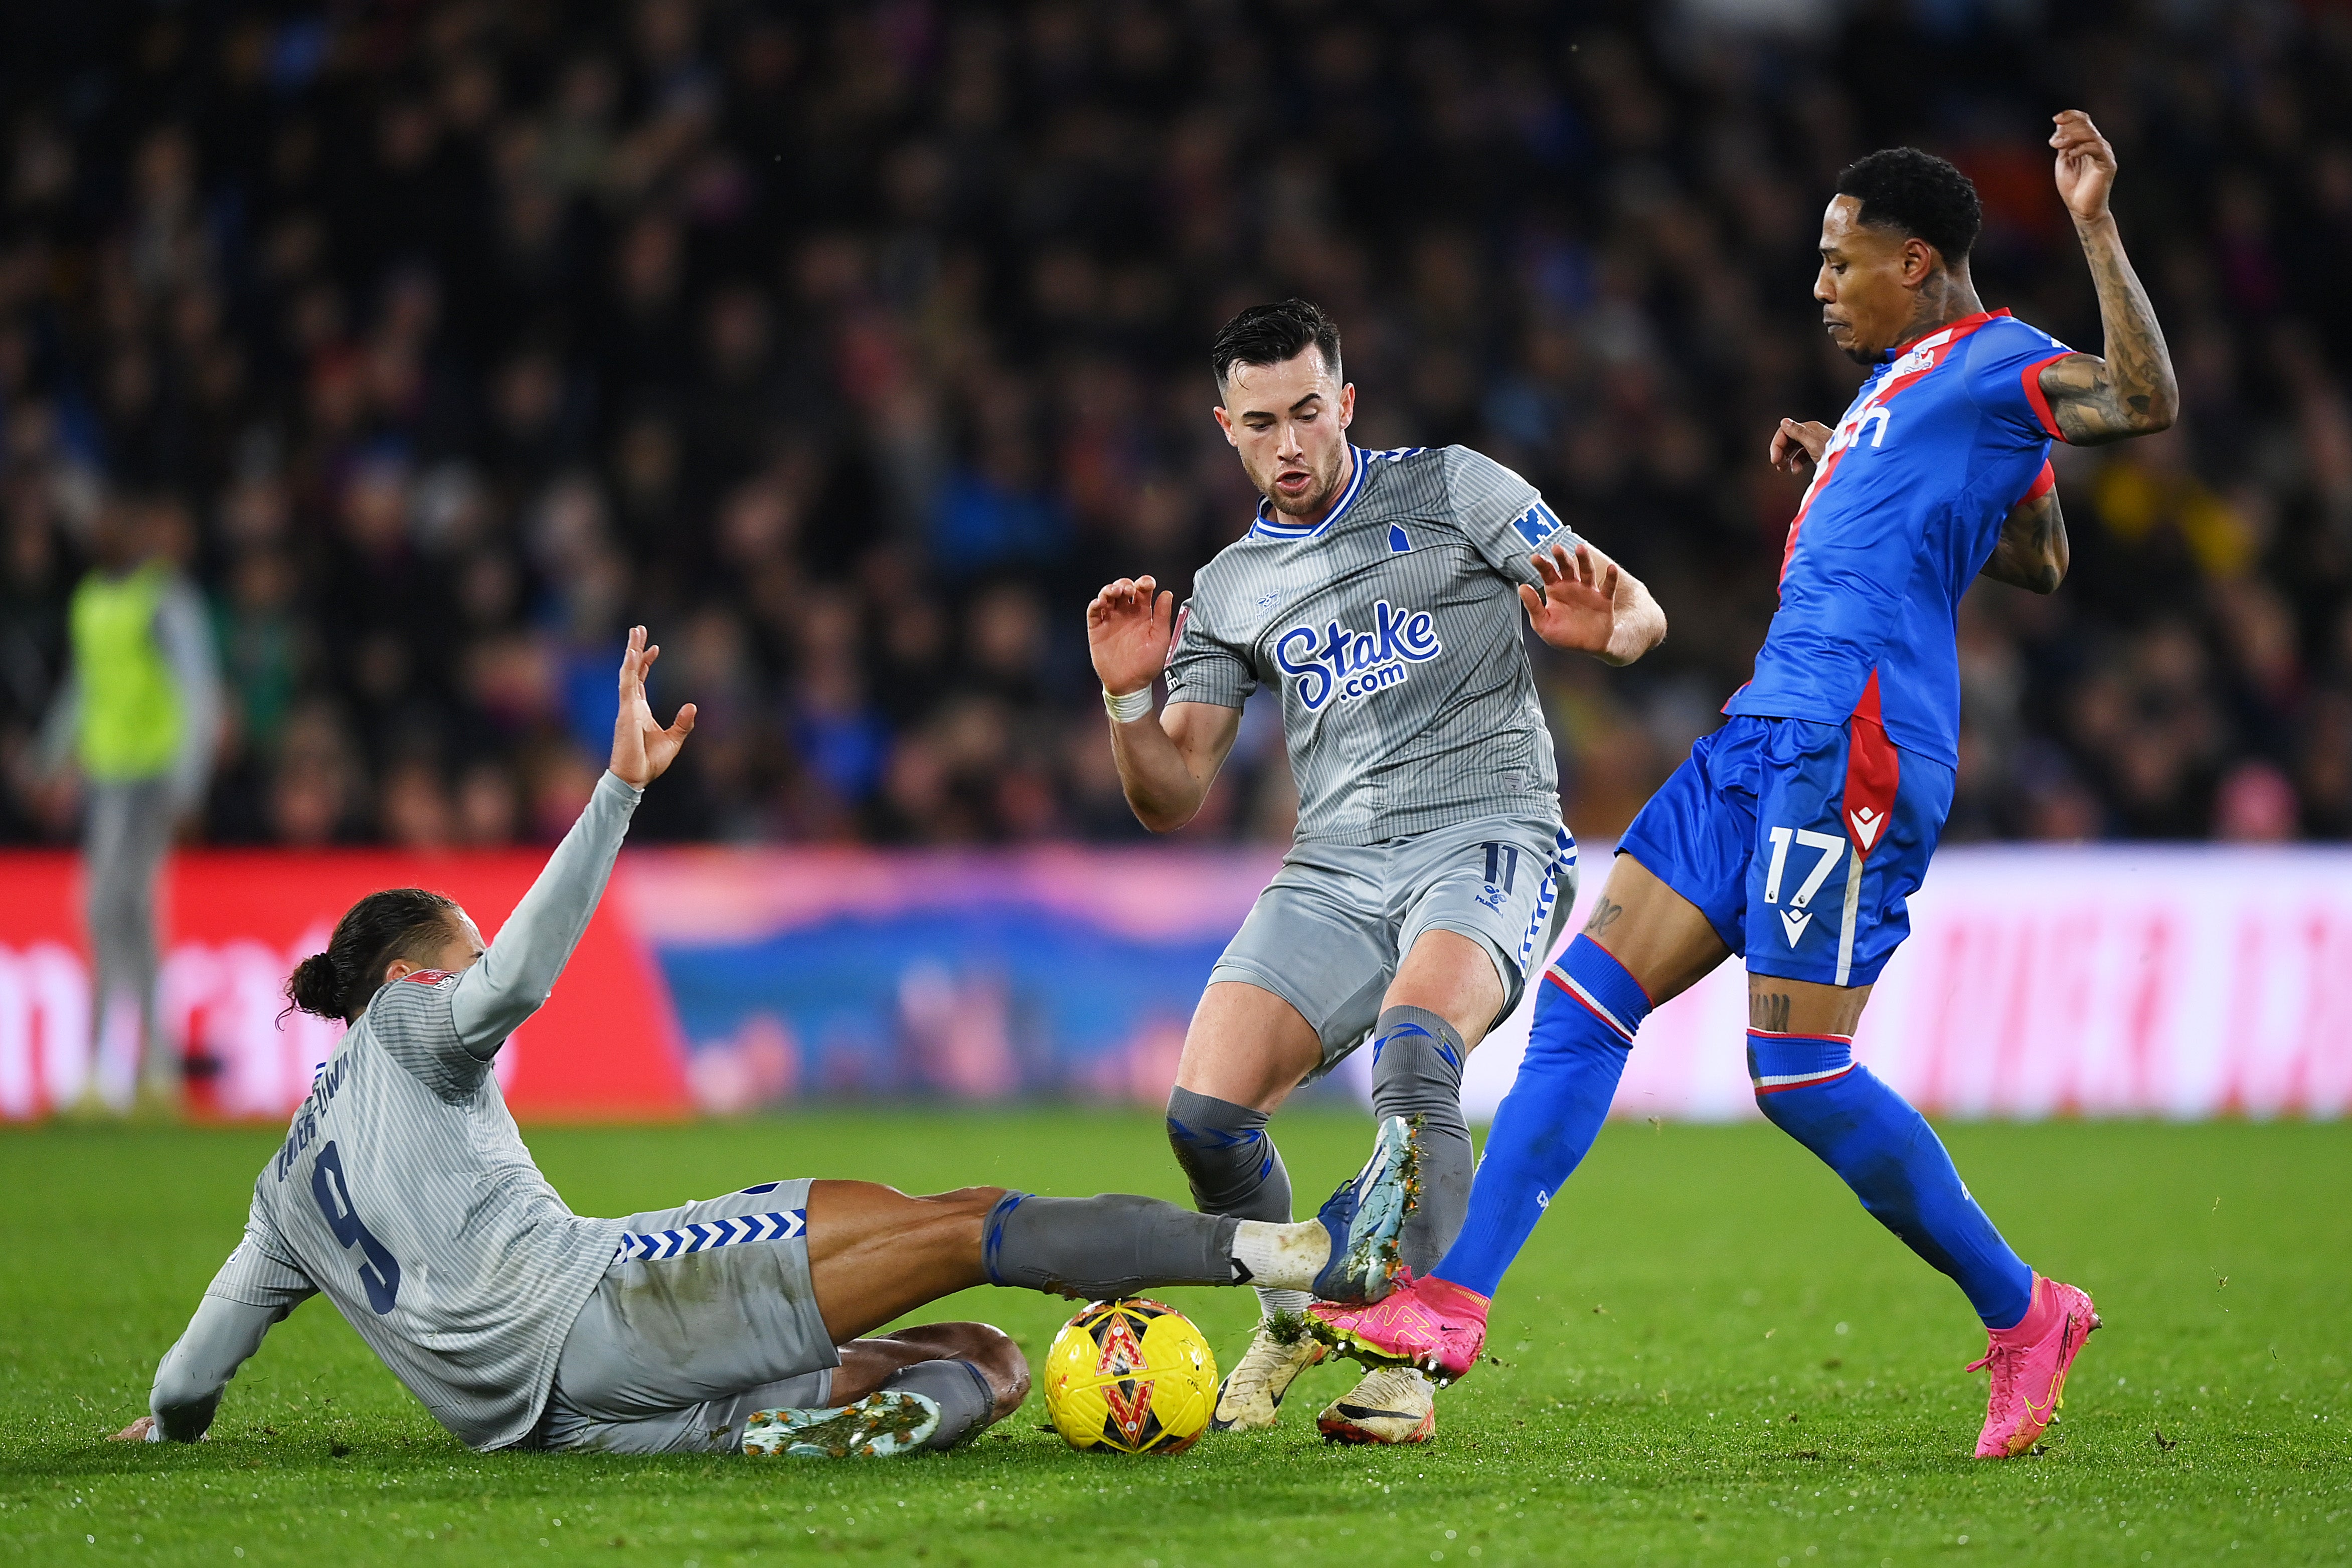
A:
976,1200
1227,1156
1800,1082
984,1345
1000,1361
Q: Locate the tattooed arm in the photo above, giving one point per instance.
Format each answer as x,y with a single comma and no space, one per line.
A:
2132,390
2032,553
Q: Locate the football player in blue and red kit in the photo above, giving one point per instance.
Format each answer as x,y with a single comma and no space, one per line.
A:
1792,835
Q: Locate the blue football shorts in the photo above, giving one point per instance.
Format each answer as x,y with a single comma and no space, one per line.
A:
1798,842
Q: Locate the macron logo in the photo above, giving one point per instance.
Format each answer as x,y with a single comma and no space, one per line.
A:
1866,824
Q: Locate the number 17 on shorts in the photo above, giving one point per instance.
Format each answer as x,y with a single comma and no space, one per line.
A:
1842,842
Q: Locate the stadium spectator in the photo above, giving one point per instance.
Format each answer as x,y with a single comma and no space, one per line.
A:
137,717
863,340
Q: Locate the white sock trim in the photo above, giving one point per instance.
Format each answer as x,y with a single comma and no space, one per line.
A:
1282,1259
1294,1303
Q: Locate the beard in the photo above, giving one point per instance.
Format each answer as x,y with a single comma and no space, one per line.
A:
1311,500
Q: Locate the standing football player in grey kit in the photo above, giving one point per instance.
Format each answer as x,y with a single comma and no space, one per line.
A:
1382,593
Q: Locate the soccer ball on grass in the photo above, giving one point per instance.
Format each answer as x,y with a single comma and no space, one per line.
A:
1130,1376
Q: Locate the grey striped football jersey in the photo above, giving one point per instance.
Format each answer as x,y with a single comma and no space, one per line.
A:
1393,629
405,1194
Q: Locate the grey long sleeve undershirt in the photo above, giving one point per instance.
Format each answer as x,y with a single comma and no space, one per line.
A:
219,1339
509,983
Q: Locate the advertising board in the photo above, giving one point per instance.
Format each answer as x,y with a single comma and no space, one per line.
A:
2107,981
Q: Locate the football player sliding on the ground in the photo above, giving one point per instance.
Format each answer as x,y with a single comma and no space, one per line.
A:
403,1193
1793,834
1381,593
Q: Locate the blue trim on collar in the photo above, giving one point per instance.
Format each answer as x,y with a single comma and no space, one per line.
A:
1266,527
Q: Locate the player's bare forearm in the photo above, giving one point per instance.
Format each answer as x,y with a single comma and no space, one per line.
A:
2032,552
1583,602
2132,390
1167,761
1640,622
1158,787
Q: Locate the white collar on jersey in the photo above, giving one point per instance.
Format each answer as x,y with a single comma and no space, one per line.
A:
1267,527
1942,335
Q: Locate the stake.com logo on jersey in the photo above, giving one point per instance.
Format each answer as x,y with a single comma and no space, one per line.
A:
1338,662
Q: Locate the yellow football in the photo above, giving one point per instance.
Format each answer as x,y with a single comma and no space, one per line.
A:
1130,1376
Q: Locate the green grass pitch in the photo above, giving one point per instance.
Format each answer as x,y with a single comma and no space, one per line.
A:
1711,1356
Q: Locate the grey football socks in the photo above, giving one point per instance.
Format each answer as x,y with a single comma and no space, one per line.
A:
958,1387
1099,1248
1234,1167
1417,1059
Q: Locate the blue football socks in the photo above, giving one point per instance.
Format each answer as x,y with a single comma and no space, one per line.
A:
1585,1020
1808,1085
1811,1088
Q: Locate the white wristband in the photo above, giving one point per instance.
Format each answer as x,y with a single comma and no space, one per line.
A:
1129,708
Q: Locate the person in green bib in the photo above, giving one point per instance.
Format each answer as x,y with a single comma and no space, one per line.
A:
139,715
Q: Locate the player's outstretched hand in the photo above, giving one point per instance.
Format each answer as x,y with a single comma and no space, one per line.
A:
1577,608
136,1432
1127,632
2086,165
642,750
1795,444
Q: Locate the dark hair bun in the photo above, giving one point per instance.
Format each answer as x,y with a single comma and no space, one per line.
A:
314,986
397,923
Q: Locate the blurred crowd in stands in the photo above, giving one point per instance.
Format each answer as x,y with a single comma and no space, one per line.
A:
851,346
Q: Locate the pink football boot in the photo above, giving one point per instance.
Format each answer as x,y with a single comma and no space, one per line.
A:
1433,1324
2029,1366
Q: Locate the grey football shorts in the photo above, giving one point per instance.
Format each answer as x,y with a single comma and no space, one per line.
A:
707,1314
1328,931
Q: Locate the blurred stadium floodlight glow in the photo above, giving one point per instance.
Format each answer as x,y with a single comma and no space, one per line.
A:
1794,17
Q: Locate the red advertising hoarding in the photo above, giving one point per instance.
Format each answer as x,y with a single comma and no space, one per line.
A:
605,1047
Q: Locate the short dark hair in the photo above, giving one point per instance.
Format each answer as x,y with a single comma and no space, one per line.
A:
1919,194
1270,334
398,923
